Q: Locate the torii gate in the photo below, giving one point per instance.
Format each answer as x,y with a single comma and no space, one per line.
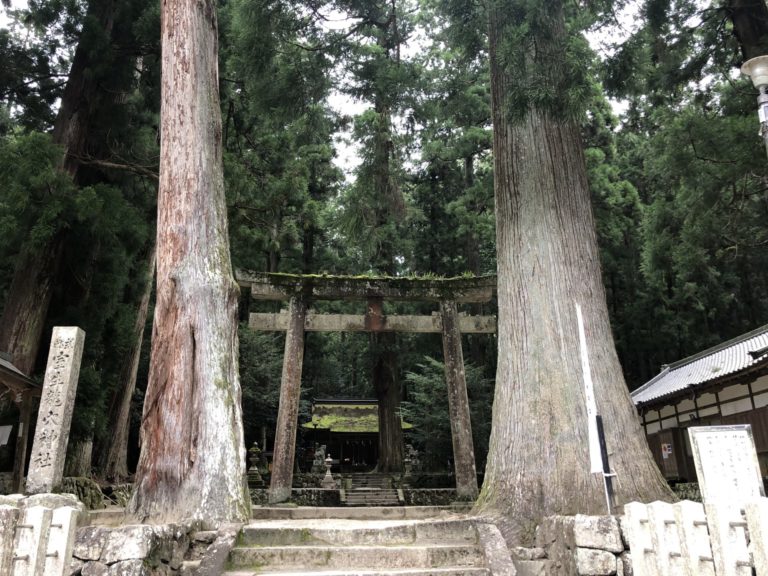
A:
301,290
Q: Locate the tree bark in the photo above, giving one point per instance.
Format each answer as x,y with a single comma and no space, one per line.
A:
288,410
192,463
114,456
386,383
458,404
79,456
26,306
750,26
538,461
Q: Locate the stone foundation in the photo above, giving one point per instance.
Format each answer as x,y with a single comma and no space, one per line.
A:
429,497
135,550
301,497
576,546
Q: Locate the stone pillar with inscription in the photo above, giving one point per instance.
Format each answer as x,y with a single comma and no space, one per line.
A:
56,405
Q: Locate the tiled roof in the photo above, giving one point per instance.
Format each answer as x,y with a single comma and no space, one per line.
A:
9,370
346,416
725,359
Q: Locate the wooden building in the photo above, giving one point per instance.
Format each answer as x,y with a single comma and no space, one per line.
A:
349,428
23,391
726,384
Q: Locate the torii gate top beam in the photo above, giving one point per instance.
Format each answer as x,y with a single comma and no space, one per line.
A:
320,287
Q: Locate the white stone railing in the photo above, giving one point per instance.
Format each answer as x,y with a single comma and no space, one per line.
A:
37,534
688,538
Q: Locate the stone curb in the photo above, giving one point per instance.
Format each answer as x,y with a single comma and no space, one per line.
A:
494,547
214,561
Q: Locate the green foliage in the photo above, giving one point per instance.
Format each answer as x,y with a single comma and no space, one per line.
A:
427,410
261,359
38,199
545,66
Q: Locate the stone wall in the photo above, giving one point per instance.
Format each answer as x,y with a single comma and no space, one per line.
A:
429,497
137,550
576,546
301,497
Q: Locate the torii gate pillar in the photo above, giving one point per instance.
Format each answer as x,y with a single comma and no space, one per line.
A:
288,410
458,404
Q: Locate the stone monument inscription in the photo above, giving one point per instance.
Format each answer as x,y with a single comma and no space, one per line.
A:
56,405
726,463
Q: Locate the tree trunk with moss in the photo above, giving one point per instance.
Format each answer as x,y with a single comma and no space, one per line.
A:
538,460
284,457
192,463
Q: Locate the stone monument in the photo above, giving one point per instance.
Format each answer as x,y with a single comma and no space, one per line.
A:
56,405
318,464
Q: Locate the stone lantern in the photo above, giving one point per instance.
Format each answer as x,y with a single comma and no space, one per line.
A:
328,482
254,477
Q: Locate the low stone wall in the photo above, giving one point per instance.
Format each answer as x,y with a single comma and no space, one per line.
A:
429,497
301,497
137,550
576,546
425,480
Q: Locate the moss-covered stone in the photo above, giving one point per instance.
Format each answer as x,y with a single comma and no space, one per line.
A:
302,497
86,490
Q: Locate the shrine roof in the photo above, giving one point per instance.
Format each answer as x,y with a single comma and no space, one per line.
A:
13,378
725,362
346,416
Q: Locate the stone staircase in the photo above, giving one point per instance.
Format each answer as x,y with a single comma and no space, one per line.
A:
347,547
372,490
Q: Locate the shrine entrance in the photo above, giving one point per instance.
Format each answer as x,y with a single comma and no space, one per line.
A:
349,430
301,290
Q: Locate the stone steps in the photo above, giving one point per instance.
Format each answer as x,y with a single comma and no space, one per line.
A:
356,532
343,547
467,571
371,497
347,558
357,513
371,481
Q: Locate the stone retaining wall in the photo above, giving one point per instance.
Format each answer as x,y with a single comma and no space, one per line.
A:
137,550
429,497
576,546
301,497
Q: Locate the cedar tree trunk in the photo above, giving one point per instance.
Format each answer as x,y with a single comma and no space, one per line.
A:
538,460
386,383
192,463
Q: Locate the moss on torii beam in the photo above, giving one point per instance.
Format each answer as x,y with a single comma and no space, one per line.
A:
323,287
